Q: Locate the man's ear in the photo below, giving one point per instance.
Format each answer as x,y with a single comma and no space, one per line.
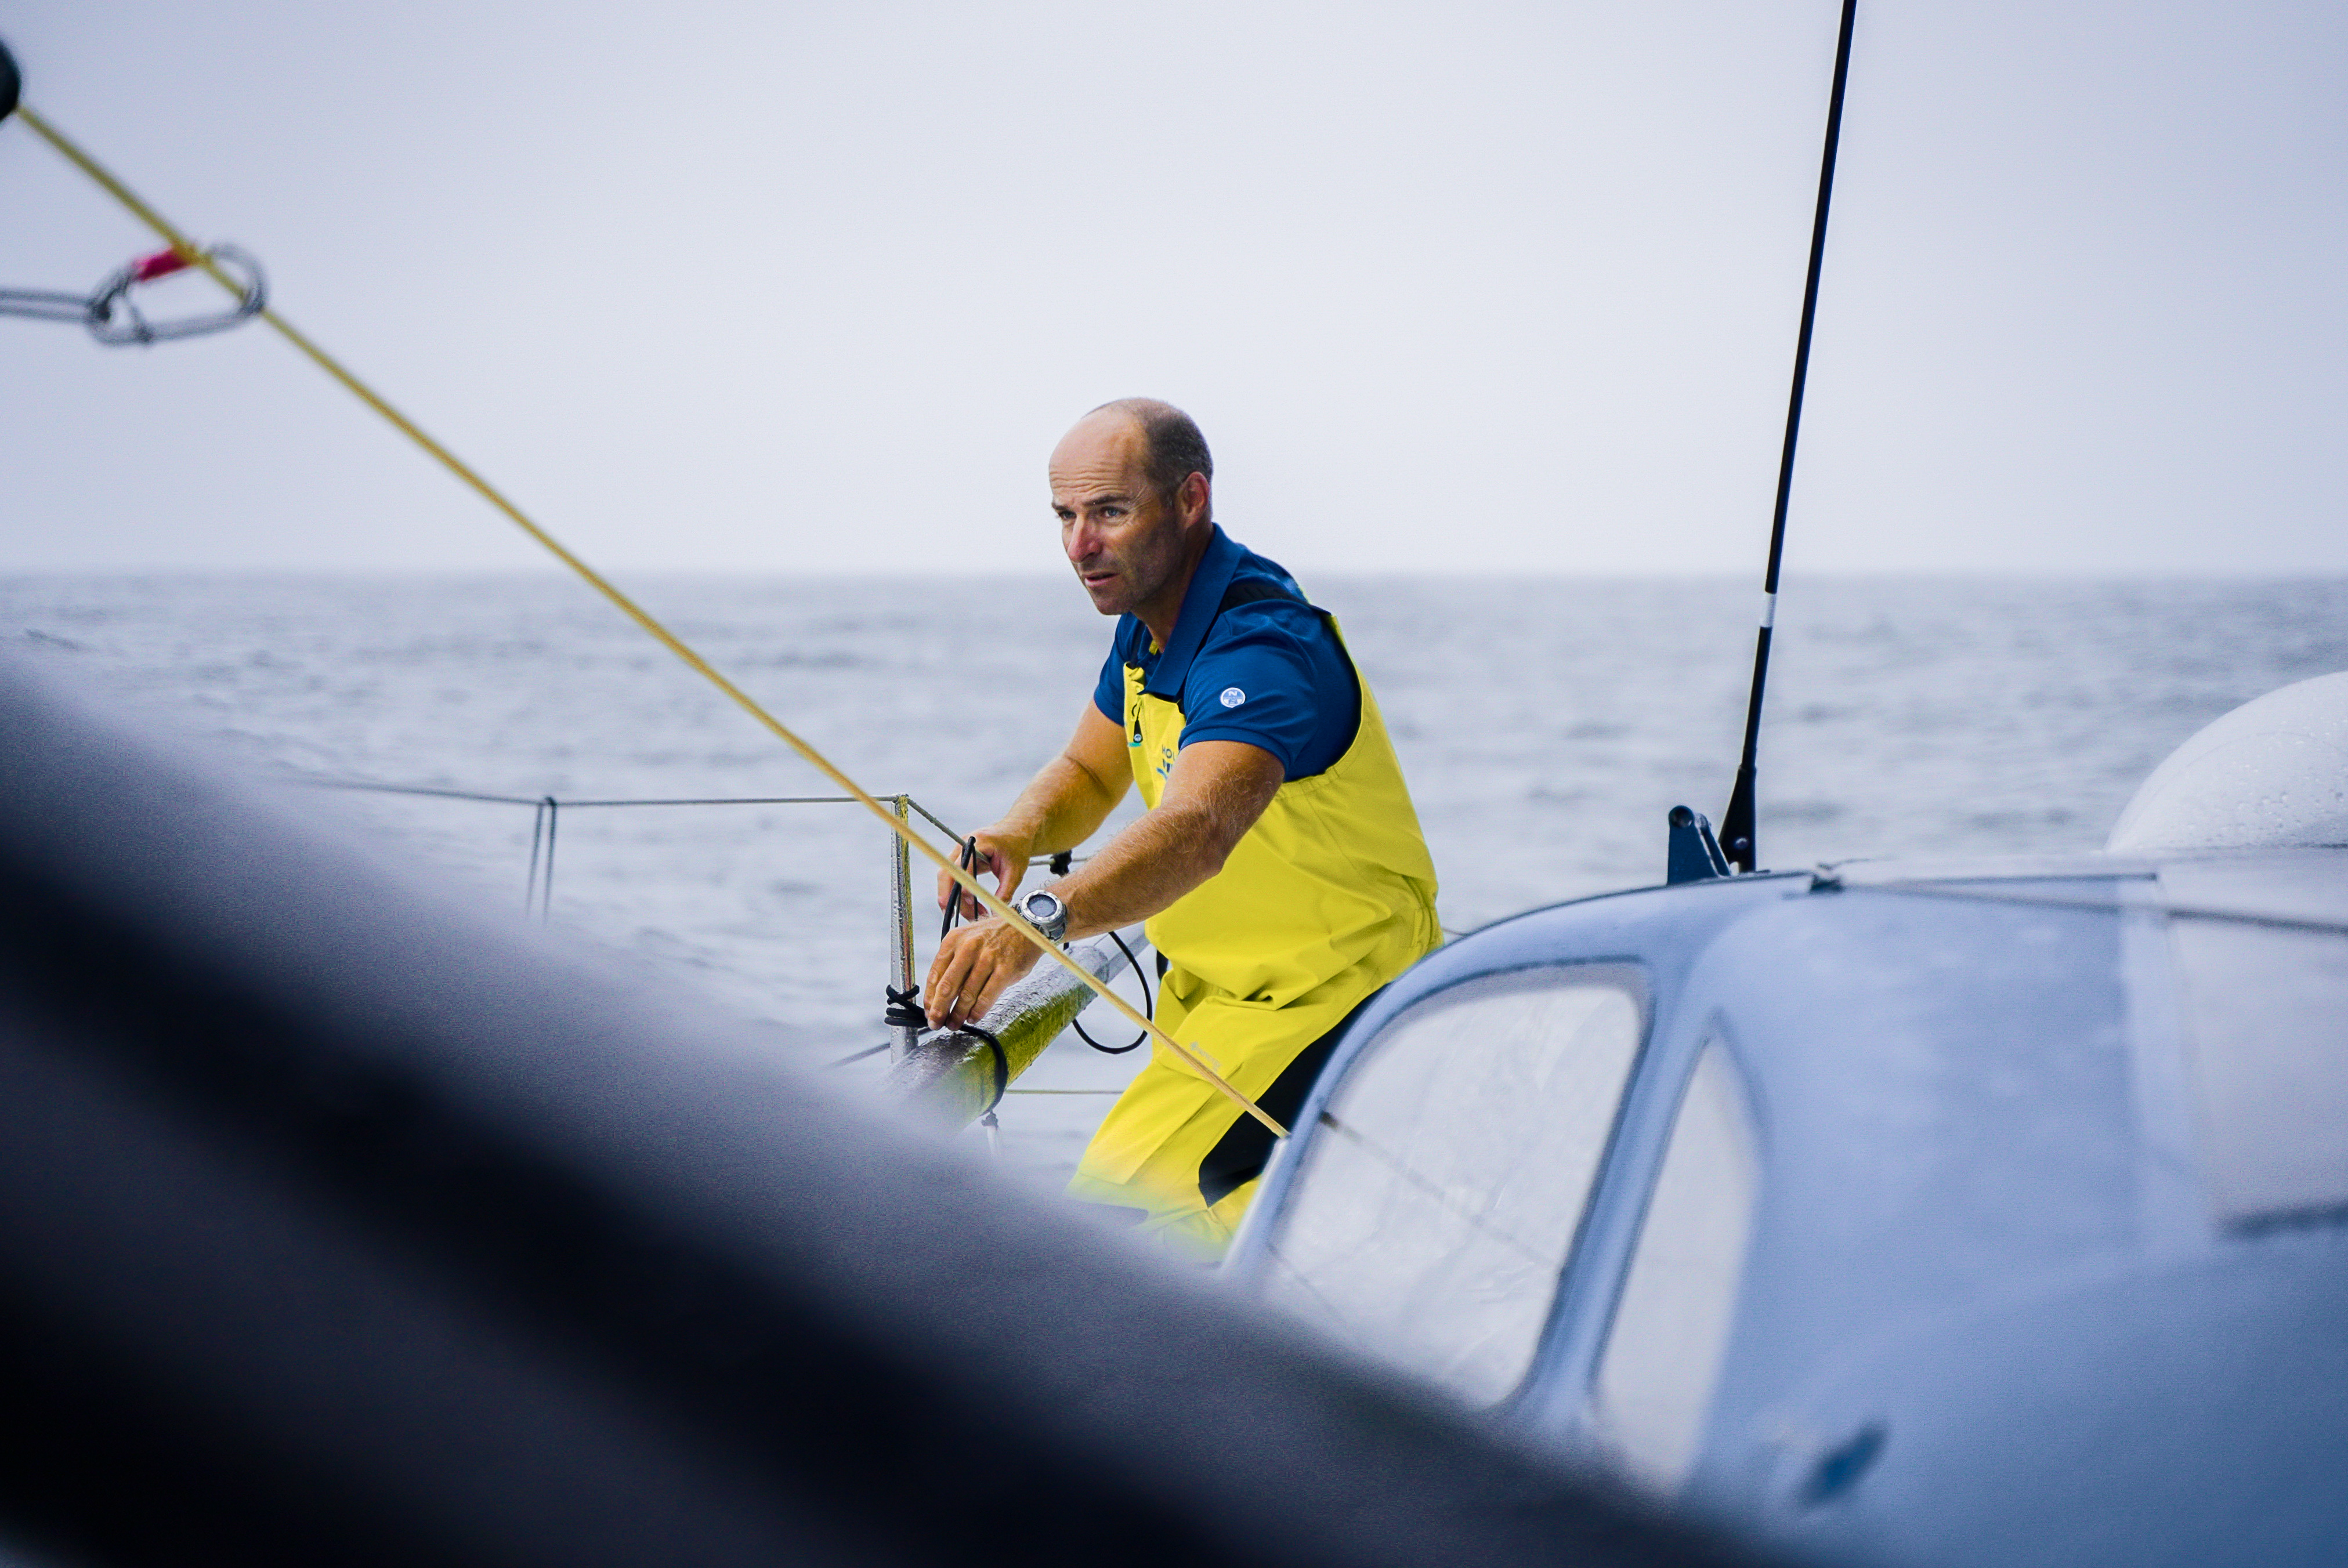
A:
1190,499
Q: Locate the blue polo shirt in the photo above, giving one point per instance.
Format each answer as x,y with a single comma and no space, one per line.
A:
1250,660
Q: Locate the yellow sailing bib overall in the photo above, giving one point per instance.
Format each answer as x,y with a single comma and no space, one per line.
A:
1326,899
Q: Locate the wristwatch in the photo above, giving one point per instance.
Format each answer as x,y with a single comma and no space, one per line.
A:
1045,913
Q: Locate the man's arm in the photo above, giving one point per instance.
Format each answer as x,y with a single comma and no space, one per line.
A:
1059,809
1214,794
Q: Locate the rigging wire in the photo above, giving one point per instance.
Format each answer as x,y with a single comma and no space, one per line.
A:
903,1010
544,821
904,1007
189,252
437,792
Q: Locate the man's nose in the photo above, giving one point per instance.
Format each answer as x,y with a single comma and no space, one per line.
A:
1082,542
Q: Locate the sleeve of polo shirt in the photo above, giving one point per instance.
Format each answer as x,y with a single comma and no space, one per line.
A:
1253,683
1108,691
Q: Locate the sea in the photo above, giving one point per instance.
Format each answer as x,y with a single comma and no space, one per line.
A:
1546,726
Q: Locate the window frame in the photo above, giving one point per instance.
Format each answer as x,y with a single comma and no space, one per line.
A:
1674,1091
1559,1395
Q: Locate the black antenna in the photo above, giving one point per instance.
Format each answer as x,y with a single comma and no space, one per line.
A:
1737,825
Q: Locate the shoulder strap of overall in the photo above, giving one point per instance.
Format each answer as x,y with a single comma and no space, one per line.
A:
1255,591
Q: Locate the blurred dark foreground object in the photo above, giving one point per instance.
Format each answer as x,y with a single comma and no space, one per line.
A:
340,1226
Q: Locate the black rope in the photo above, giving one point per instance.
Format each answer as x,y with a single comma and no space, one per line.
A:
905,1011
904,1007
1002,1059
1148,1007
953,904
1002,1064
1060,864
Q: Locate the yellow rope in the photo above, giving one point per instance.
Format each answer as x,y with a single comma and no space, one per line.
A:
186,249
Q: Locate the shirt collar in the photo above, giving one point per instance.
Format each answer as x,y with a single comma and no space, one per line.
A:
1200,600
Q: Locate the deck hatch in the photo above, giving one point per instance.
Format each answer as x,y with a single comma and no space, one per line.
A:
1438,1203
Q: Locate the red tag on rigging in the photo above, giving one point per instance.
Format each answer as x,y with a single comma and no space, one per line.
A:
161,264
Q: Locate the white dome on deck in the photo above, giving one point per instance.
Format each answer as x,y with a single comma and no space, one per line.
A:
2272,775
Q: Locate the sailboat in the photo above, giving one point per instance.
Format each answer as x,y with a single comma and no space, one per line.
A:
1903,1211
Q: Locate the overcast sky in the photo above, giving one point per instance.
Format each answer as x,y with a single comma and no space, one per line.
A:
1504,287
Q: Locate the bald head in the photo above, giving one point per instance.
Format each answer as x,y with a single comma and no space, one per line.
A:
1130,484
1172,446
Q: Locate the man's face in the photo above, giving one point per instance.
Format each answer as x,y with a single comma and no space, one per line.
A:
1123,538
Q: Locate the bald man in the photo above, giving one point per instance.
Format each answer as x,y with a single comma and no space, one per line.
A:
1280,865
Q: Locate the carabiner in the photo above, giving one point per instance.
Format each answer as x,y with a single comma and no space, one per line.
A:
114,318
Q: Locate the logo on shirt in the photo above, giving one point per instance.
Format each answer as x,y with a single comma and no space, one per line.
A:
1233,696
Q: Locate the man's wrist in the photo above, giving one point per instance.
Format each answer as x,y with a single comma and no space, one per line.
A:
1013,835
1044,909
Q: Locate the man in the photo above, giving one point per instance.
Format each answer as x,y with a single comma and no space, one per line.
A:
1280,865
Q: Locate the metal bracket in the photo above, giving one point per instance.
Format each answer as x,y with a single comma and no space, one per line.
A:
1695,854
903,1037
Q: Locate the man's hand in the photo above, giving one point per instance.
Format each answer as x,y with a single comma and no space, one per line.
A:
974,964
1059,808
1004,853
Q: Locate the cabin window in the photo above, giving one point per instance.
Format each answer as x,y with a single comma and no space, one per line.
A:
1663,1356
1430,1222
2266,1010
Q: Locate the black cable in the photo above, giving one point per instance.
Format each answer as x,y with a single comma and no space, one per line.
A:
969,858
953,906
904,1007
1148,1007
904,1010
1002,1063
